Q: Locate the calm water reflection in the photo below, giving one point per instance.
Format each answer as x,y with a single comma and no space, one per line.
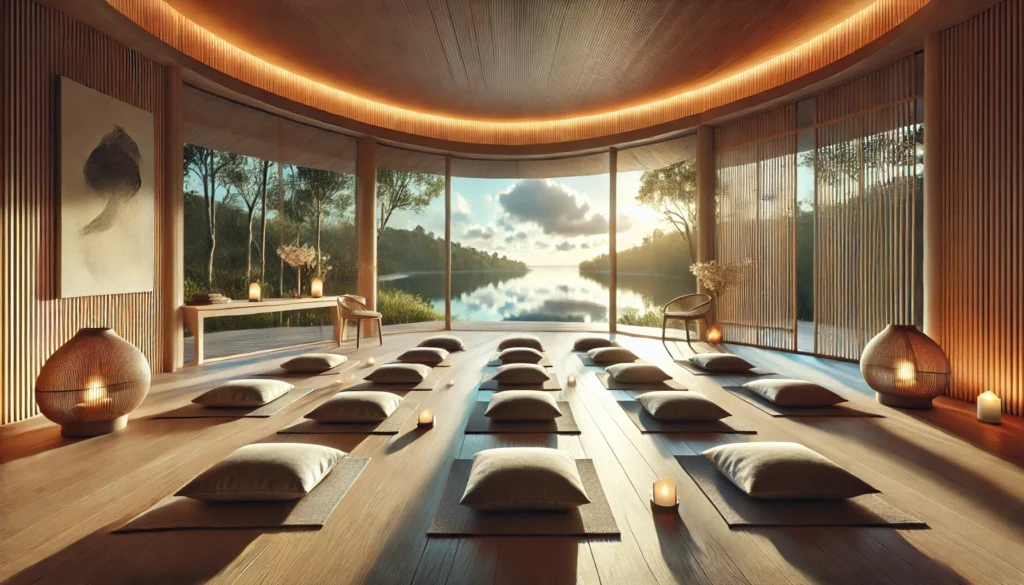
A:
545,293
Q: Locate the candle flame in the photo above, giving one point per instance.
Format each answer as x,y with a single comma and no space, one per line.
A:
905,372
95,391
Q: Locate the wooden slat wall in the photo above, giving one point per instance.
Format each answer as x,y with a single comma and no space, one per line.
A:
982,304
40,44
756,163
842,39
867,209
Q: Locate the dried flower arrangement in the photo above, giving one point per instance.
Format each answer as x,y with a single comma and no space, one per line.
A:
298,257
718,277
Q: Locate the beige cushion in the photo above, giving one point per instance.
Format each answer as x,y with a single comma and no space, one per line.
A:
612,355
522,374
720,362
361,313
399,373
242,393
589,343
676,405
356,407
264,472
524,478
785,471
520,355
430,356
449,342
786,392
637,373
529,405
314,363
521,341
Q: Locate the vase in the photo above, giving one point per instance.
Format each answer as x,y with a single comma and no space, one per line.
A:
905,367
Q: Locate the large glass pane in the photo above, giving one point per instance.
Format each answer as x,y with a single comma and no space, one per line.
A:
410,237
521,245
657,240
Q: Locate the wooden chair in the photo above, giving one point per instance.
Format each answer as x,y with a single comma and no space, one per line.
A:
353,308
686,308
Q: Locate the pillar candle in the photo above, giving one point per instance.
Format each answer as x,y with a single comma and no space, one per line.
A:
665,493
990,408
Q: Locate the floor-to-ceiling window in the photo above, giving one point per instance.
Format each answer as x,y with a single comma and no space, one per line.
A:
410,237
524,237
268,202
656,189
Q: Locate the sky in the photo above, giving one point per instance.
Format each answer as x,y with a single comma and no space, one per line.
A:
543,222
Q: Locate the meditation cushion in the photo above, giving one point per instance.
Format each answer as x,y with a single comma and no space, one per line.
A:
399,373
637,373
523,405
244,393
589,343
313,363
785,471
786,392
676,405
521,341
521,374
264,472
430,356
720,362
356,407
520,355
448,342
524,478
611,355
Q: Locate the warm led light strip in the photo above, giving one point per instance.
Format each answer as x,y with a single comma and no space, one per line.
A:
171,27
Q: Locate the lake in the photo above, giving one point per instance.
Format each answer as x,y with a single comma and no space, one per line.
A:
543,293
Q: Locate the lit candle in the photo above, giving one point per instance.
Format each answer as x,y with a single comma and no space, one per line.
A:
451,382
664,493
255,294
990,408
95,405
371,361
572,380
715,335
316,288
426,418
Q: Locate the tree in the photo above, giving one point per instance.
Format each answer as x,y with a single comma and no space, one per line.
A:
206,165
318,194
249,179
672,192
404,190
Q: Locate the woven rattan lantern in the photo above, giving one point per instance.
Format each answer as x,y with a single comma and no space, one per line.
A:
92,382
905,367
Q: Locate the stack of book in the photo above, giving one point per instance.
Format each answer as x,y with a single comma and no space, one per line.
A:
208,299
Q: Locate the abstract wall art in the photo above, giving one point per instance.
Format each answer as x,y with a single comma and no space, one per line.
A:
106,194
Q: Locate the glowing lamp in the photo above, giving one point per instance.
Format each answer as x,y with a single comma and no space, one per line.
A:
905,367
425,418
370,361
91,383
990,408
714,335
255,293
663,494
316,288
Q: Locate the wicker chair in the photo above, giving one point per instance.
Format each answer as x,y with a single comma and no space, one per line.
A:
353,308
686,308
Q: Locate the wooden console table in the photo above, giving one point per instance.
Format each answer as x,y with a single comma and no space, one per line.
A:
195,315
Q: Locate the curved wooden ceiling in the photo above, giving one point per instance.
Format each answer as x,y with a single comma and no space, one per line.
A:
515,73
514,59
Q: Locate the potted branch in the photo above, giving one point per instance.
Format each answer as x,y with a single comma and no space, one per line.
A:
299,258
718,277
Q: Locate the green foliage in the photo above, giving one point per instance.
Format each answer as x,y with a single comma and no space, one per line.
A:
660,253
672,192
397,306
634,317
404,191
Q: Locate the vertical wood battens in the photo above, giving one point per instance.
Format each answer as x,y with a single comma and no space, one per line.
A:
755,163
40,44
866,221
982,160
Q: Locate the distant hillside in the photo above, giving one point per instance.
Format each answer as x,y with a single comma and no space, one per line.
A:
417,250
664,254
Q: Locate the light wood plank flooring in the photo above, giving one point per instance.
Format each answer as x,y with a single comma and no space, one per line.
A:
60,499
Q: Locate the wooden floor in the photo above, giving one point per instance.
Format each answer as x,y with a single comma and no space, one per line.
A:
60,499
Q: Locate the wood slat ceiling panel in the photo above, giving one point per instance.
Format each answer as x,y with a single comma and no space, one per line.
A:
510,59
